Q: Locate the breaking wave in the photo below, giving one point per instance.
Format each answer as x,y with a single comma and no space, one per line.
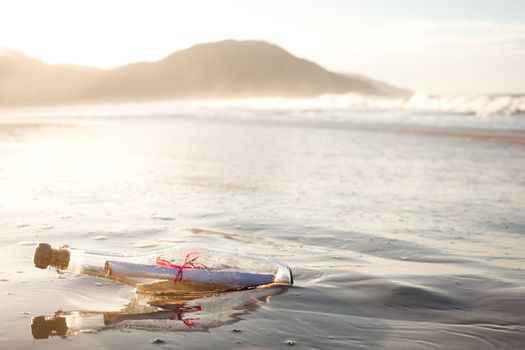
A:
479,105
419,103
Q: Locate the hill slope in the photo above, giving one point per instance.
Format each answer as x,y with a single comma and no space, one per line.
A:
226,69
24,80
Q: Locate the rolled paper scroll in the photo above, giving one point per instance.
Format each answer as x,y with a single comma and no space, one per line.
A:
230,279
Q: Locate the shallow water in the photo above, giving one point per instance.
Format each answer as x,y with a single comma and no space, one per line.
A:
402,231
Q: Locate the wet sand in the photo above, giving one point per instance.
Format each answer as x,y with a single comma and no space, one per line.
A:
400,236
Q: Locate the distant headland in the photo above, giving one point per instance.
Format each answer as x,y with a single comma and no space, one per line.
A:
225,69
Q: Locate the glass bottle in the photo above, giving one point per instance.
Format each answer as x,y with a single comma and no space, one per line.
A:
173,270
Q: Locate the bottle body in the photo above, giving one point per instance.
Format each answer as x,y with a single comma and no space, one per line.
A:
173,270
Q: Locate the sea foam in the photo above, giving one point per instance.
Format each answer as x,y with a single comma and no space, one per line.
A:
474,104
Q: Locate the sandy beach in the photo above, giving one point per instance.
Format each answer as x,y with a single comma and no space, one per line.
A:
400,235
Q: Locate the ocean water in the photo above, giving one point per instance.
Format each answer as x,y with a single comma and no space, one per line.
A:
404,227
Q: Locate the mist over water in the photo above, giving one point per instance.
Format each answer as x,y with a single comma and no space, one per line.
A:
404,227
482,105
352,105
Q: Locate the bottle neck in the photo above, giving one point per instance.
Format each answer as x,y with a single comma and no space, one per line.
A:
59,258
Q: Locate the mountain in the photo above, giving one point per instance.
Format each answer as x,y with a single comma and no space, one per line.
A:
27,81
226,69
384,89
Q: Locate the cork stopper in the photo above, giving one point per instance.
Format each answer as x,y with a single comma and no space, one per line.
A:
47,256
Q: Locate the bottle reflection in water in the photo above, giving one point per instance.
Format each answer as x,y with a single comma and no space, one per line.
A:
158,315
175,270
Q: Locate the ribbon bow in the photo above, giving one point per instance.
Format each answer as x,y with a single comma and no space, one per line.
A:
188,263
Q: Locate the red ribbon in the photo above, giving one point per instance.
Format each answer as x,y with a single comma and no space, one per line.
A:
188,263
180,313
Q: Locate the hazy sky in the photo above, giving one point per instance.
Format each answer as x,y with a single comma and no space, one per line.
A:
443,46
